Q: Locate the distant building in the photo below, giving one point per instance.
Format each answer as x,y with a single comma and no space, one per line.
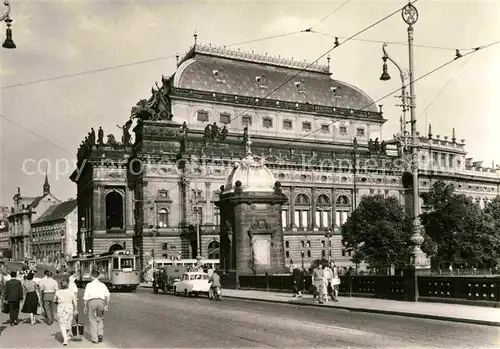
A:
4,238
4,212
53,234
25,211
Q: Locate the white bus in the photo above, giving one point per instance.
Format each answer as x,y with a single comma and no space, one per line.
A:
160,263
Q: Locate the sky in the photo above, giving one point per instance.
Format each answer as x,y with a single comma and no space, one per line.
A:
44,117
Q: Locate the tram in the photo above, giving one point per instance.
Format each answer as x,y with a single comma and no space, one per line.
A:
117,269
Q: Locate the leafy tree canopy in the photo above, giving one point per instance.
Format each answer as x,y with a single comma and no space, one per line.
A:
378,232
462,232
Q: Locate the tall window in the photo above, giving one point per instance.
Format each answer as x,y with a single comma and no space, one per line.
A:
284,218
343,207
302,209
323,211
163,218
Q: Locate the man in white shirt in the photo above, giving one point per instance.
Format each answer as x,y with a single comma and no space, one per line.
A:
96,298
48,288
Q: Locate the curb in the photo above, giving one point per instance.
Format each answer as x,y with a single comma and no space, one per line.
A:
373,311
378,311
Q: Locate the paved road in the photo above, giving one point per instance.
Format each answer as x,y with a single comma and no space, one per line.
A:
147,320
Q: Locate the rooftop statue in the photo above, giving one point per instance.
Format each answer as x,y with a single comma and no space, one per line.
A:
157,107
100,136
111,140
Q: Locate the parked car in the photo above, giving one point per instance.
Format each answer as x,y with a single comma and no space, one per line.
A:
192,283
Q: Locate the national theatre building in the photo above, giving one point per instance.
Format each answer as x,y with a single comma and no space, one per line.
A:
320,137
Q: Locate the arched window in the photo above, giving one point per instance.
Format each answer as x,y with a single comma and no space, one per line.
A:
163,218
343,208
214,250
302,209
114,211
323,211
115,247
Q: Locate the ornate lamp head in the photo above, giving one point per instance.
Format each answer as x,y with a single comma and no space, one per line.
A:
9,43
385,75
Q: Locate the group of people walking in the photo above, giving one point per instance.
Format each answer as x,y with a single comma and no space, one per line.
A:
324,280
56,298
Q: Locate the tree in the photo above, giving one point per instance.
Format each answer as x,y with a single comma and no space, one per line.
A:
378,232
463,233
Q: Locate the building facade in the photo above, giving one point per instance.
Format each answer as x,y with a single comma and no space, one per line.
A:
25,211
320,137
54,234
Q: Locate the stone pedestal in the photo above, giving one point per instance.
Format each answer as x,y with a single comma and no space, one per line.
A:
411,275
251,231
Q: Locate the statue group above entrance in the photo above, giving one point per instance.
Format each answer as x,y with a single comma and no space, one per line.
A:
157,107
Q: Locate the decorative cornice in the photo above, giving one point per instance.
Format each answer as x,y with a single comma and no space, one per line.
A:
253,57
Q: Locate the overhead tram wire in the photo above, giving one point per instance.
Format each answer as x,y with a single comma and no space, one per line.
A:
396,43
35,134
320,57
110,68
446,85
396,90
100,70
328,15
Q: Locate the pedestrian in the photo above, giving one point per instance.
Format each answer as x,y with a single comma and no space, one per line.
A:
317,280
297,278
96,299
31,301
13,295
66,309
328,277
48,289
335,282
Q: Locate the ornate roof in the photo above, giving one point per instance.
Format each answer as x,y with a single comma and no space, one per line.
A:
220,70
252,173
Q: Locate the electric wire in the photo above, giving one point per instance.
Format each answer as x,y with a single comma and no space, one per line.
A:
446,85
106,69
397,43
34,134
330,14
100,70
320,57
396,90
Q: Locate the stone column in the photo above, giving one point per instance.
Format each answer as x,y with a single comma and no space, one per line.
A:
313,222
209,216
129,209
334,208
99,214
292,206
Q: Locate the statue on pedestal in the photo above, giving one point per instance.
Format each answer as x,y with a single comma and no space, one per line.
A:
100,136
92,136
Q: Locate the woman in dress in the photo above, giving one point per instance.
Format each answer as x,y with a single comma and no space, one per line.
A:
31,301
66,309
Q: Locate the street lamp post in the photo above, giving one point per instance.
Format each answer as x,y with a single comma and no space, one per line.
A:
410,16
8,43
154,234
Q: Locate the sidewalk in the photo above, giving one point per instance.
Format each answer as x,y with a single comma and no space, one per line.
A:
425,310
39,336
